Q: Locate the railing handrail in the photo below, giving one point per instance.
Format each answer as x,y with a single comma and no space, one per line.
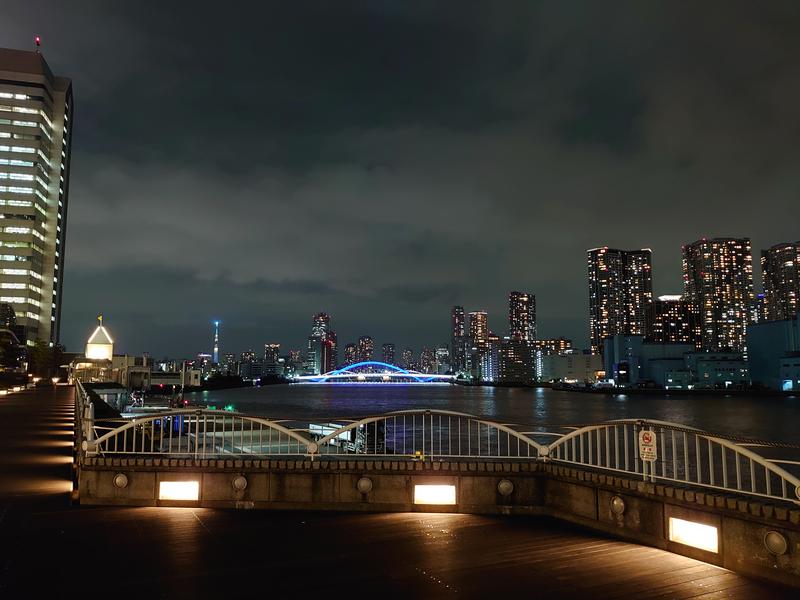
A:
562,449
215,413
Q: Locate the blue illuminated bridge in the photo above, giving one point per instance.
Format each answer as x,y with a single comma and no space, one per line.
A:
372,371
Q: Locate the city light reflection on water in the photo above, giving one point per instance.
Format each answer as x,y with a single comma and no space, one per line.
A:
769,417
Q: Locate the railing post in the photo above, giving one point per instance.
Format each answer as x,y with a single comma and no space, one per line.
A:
88,422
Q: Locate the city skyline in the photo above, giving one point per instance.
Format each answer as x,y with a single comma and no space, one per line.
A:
519,158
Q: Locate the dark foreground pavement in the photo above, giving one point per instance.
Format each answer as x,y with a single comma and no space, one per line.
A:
47,545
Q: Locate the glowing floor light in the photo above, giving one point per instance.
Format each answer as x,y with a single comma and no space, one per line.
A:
696,535
179,490
434,494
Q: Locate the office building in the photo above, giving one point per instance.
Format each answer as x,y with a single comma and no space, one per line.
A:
458,338
780,271
718,280
36,120
620,291
672,319
387,354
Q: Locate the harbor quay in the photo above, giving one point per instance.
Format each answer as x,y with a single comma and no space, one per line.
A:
559,530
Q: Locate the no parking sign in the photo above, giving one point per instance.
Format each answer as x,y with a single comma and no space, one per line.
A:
647,445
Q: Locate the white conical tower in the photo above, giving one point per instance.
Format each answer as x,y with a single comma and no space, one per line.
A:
100,345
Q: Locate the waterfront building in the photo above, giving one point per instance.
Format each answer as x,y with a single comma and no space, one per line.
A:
717,370
365,348
718,279
387,353
672,319
36,123
314,356
516,364
634,360
522,316
479,329
573,366
548,347
229,364
488,363
408,358
620,291
780,271
773,352
330,351
427,361
443,359
458,338
349,354
272,359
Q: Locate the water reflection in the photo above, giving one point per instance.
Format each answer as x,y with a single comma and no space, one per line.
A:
767,417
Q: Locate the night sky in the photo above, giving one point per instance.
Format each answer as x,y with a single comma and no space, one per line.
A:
381,161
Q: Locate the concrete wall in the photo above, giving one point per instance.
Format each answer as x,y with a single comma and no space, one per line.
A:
573,495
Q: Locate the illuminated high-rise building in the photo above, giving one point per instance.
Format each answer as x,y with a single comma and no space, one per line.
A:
350,354
321,325
620,290
522,316
671,319
427,361
388,353
718,280
458,338
36,119
408,358
780,271
365,348
479,329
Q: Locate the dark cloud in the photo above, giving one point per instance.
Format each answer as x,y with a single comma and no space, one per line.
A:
383,160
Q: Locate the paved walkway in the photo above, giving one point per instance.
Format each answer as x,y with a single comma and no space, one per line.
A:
46,544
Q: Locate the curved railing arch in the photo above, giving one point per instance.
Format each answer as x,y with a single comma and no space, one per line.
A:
201,433
432,433
683,454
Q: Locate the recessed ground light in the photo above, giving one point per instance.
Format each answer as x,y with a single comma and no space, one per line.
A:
696,535
434,494
179,490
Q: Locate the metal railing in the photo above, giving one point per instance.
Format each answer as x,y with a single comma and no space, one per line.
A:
673,453
678,454
430,434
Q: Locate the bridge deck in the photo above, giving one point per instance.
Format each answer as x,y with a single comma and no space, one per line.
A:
200,552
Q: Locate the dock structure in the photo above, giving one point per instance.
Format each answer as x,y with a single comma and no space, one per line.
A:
199,549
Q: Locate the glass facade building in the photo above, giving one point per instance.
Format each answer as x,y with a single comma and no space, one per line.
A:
36,119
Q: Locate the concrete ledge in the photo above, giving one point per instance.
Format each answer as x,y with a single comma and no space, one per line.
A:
574,495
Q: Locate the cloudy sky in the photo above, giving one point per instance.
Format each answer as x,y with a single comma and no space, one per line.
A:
381,161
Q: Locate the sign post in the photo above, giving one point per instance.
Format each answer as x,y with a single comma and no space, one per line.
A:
647,450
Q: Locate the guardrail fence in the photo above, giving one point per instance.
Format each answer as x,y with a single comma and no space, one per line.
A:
652,450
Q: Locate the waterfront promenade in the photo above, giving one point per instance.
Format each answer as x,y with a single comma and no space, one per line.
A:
48,544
